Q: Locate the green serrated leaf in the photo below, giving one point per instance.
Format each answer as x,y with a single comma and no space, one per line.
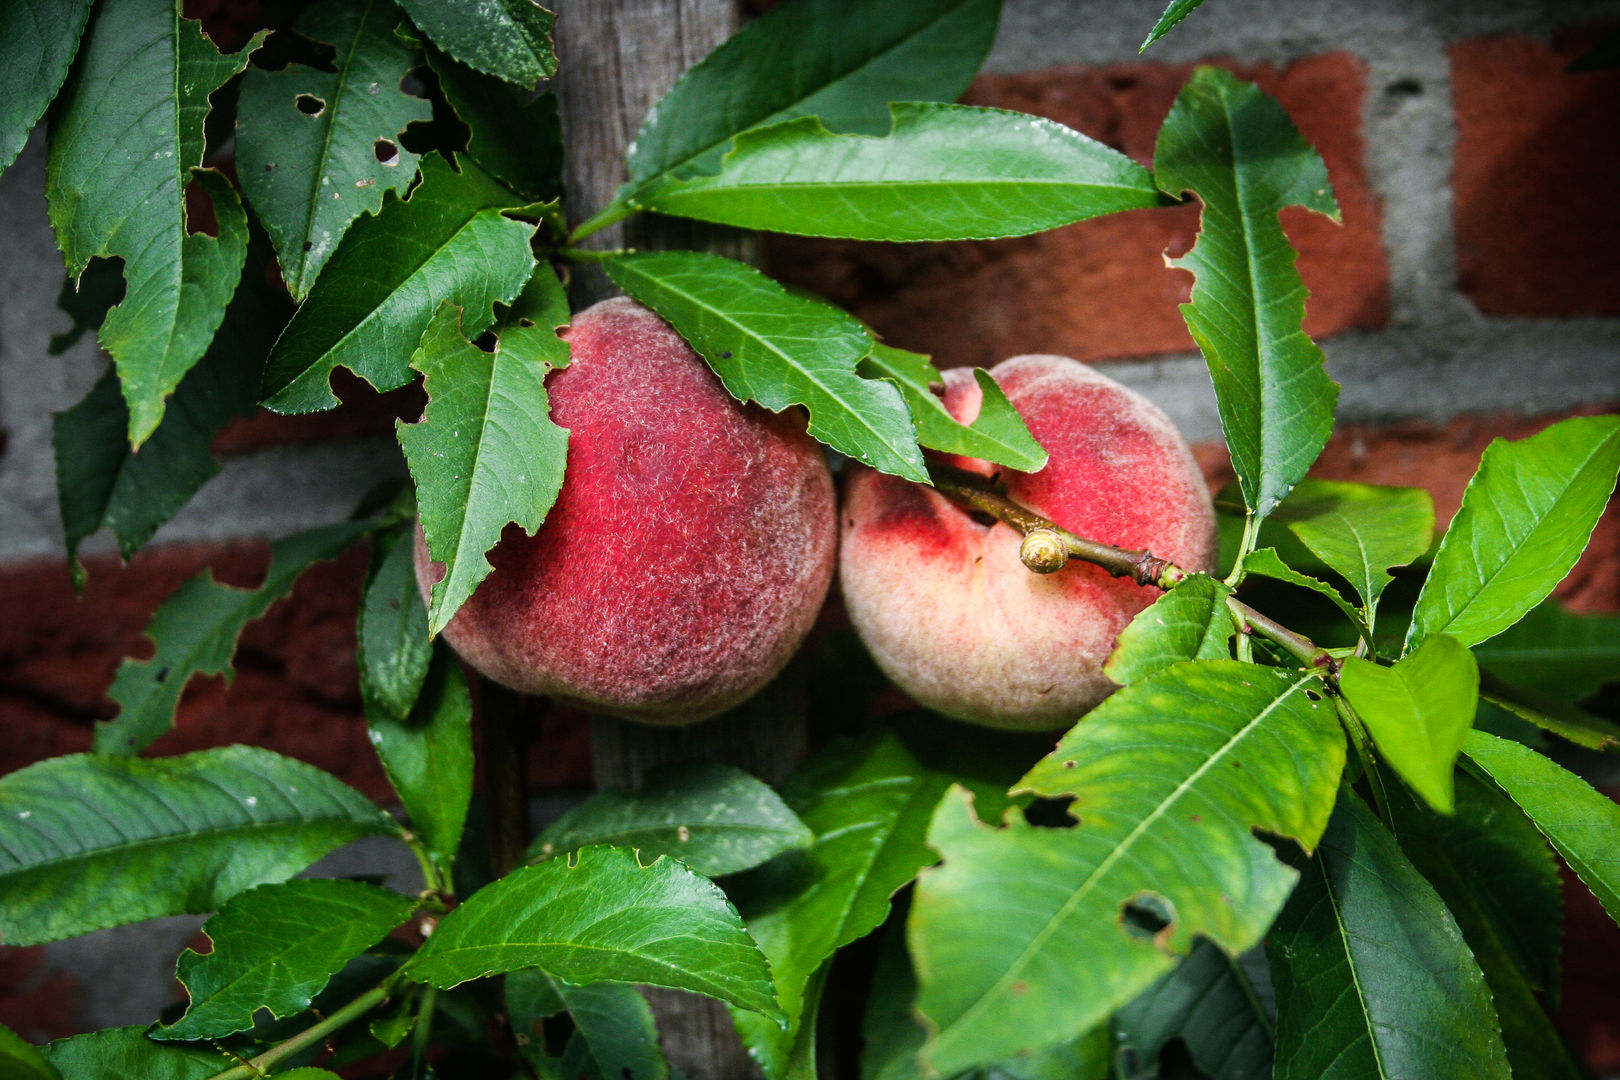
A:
1267,563
1579,821
614,1029
1359,531
1029,936
127,1054
1525,518
22,1060
275,947
997,434
428,756
515,137
485,454
38,39
1555,651
528,330
1237,149
1190,622
126,143
446,243
1211,1004
392,645
945,172
778,349
316,149
714,818
1373,977
1178,10
510,39
195,631
89,841
1551,714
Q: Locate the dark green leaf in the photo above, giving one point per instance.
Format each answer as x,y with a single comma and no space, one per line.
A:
428,756
1418,712
22,1060
1525,519
484,454
1190,622
1018,937
714,818
945,172
1556,651
1359,531
37,41
510,39
316,149
447,242
86,300
127,1054
1373,977
392,644
126,143
195,631
88,841
614,1028
1236,148
1211,1004
1178,10
529,328
1551,713
602,917
275,947
515,137
1581,822
997,434
770,346
1267,563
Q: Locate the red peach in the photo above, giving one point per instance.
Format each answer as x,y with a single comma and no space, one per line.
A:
687,554
943,602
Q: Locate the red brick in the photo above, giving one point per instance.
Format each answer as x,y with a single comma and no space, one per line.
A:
1534,178
1100,289
37,1006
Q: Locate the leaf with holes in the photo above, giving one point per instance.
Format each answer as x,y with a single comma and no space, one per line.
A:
1212,1004
1238,151
126,142
89,841
1190,622
1029,936
1373,977
37,41
996,434
316,149
779,349
447,243
510,39
1360,530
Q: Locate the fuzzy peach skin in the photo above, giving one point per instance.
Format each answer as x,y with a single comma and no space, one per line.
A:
688,552
945,605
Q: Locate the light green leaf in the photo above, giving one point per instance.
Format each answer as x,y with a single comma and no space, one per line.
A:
1525,519
37,41
195,631
1236,148
1359,531
1556,651
517,139
602,917
316,149
22,1060
1190,622
510,39
126,143
714,818
275,947
1029,936
1373,977
88,841
770,346
1178,10
945,172
484,454
428,756
127,1054
997,434
1210,1003
1418,712
1580,821
392,644
446,243
1267,563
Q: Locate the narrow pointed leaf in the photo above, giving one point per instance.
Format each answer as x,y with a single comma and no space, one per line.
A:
1525,518
714,818
1178,10
1211,1004
997,434
945,172
778,349
1027,936
1236,148
392,645
1190,622
1555,651
316,149
515,138
127,1054
88,841
1579,821
510,39
1267,563
1374,980
484,455
602,917
195,631
275,947
1359,531
1551,713
447,242
22,1060
127,142
38,39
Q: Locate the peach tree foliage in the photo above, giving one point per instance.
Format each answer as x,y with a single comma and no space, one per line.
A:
1317,841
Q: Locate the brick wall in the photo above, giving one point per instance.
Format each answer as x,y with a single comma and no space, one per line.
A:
1472,291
